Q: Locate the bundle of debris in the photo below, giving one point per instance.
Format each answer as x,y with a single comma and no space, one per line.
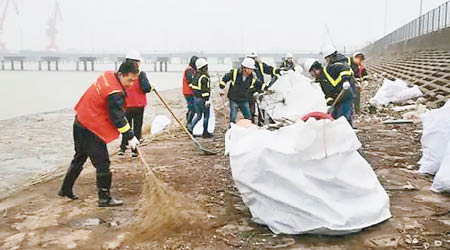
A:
436,147
307,177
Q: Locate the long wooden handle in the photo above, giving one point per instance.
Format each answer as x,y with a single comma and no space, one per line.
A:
173,115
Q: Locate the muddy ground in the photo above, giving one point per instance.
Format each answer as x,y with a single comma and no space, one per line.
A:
37,218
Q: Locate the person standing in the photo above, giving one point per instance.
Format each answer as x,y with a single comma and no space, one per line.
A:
356,64
333,79
136,101
188,78
288,63
260,69
243,82
202,91
331,55
100,119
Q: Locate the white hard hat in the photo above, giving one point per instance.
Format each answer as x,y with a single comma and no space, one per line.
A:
357,53
329,50
252,54
200,63
248,63
308,63
133,55
289,55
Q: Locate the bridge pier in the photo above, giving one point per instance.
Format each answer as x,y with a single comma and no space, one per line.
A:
85,61
163,61
49,60
13,59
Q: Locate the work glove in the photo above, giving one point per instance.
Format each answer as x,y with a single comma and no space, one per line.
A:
207,103
283,72
254,75
133,143
346,85
365,83
329,101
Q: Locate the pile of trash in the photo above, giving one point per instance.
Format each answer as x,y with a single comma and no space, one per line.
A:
305,178
436,147
293,97
394,92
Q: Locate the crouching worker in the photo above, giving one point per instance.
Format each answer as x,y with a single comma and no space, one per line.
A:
243,82
202,90
136,101
100,118
332,79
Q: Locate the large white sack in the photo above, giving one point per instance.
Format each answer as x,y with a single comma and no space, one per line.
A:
294,96
394,92
159,123
441,182
295,180
435,135
198,128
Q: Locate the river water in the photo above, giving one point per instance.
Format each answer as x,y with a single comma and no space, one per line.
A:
36,118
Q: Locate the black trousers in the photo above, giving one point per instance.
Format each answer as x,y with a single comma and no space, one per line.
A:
135,117
87,144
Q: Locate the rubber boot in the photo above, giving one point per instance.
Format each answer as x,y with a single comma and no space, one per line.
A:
103,186
69,180
206,134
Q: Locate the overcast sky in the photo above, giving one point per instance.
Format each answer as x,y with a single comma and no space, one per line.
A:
202,25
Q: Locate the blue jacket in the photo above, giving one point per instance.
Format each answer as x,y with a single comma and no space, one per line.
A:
240,90
332,78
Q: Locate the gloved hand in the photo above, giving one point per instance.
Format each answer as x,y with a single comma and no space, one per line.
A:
365,83
346,85
207,103
133,143
283,72
329,101
254,75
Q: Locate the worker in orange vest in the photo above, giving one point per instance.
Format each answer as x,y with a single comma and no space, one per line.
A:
136,101
100,119
188,80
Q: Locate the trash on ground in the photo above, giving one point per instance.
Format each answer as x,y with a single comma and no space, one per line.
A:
398,121
394,92
160,122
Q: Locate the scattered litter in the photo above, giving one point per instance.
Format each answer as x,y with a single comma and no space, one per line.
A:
403,108
399,121
159,123
384,241
417,114
91,222
394,92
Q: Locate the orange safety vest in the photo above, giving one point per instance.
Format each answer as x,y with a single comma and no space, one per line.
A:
187,91
135,96
92,111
